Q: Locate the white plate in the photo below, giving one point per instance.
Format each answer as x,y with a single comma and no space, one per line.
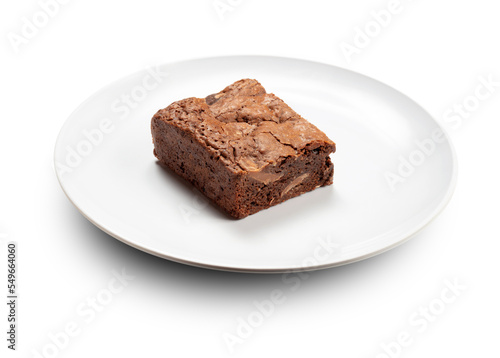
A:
115,182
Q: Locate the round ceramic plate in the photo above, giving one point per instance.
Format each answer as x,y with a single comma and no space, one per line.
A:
395,169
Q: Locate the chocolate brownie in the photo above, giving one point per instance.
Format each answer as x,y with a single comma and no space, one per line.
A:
243,148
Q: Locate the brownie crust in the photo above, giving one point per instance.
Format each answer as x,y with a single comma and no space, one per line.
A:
243,148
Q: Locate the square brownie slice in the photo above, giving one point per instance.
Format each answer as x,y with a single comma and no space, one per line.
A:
243,148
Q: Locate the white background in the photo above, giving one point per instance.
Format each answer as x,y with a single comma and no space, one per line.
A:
432,51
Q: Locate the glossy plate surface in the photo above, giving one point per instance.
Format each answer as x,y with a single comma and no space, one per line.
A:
395,170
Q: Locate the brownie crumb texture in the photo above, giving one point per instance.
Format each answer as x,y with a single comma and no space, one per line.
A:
243,148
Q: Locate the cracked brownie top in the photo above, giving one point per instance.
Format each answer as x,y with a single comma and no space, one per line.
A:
245,127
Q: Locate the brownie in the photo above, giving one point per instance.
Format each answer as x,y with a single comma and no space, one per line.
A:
243,148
